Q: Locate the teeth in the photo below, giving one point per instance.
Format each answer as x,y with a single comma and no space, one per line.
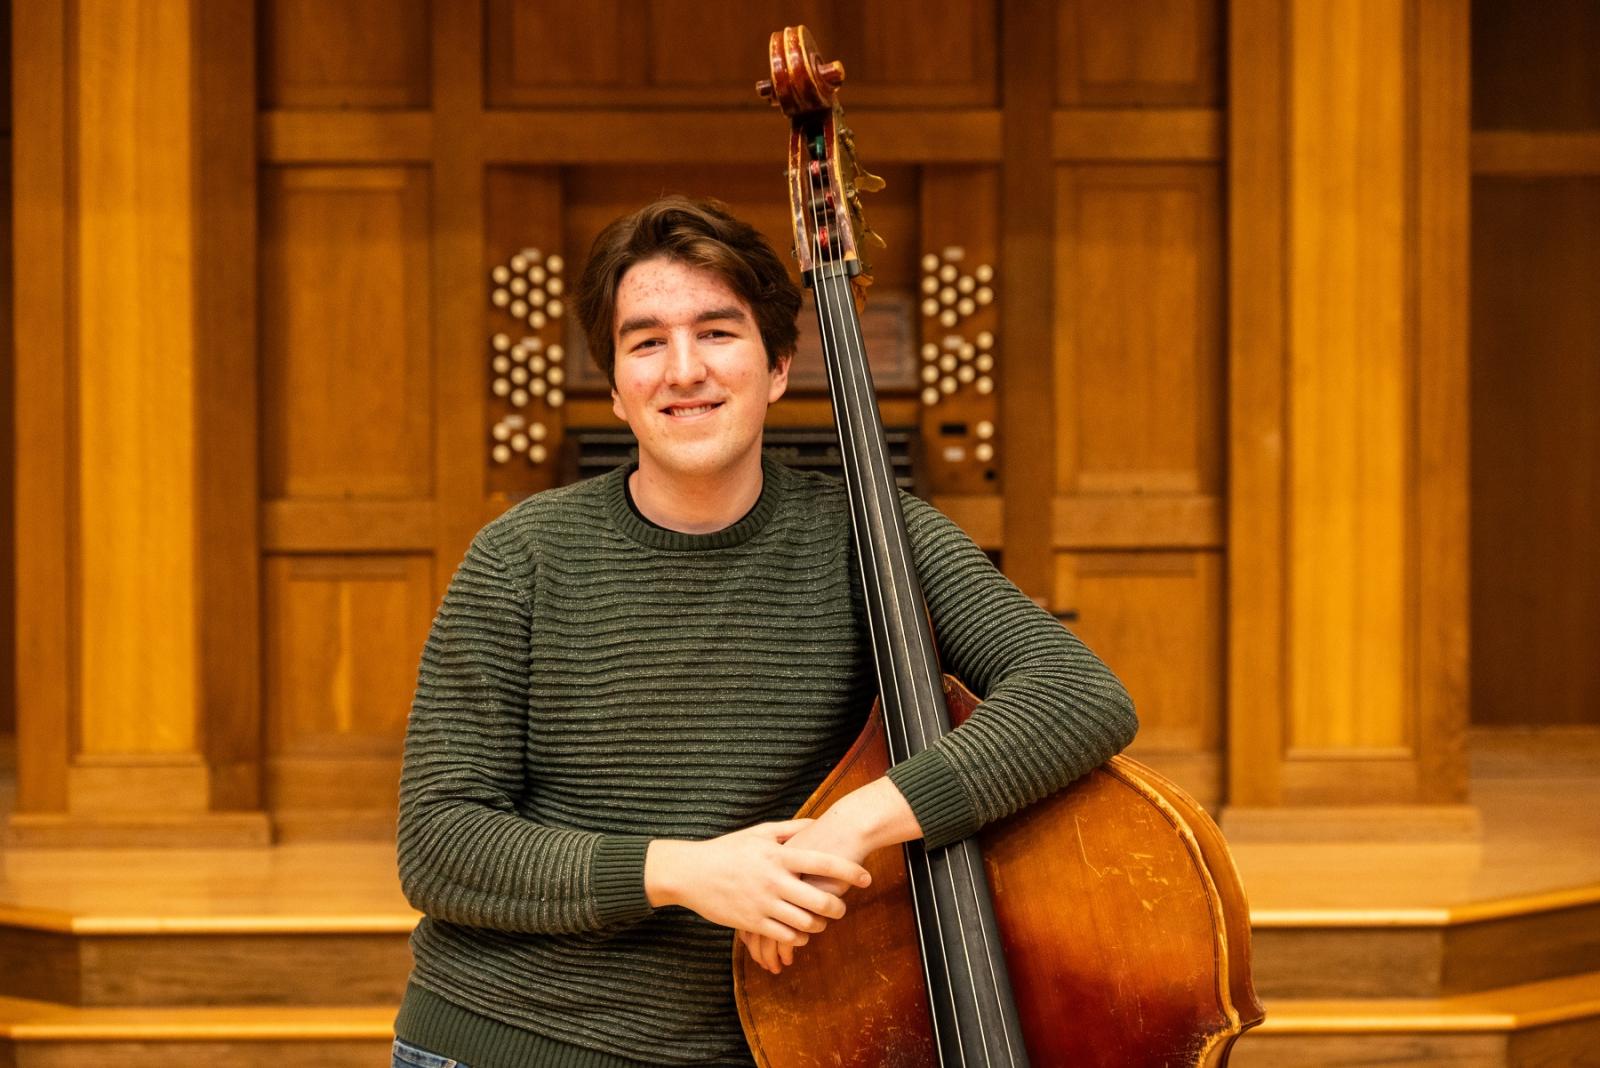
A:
692,411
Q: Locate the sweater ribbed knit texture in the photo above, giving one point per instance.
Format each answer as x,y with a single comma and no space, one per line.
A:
592,682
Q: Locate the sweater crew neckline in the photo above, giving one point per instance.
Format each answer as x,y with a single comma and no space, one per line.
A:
636,527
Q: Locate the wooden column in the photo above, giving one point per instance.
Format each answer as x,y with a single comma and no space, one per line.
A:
1348,446
137,711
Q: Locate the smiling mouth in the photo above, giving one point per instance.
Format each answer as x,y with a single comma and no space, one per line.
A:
688,411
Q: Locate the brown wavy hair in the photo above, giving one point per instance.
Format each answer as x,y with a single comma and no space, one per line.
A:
699,233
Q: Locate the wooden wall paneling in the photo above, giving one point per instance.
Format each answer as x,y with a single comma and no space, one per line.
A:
535,51
352,593
8,456
523,243
116,740
344,636
1440,283
1139,53
1346,665
344,53
1139,443
46,638
134,279
372,298
1028,313
1127,135
227,530
346,136
1535,451
1257,323
1157,619
290,526
708,53
1139,346
1348,409
1188,521
346,375
921,55
1535,153
701,50
457,330
683,136
1533,66
959,377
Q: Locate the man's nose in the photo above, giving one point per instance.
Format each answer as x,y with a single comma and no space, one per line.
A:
684,365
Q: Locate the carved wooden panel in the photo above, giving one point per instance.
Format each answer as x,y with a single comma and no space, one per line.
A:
344,53
343,635
1156,619
1139,52
1535,451
345,379
1139,395
673,53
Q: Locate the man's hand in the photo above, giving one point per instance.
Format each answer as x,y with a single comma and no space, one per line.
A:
752,881
864,820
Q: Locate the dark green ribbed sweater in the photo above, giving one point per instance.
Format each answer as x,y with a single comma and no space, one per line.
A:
592,682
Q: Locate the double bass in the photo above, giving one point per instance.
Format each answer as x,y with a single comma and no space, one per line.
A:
1102,927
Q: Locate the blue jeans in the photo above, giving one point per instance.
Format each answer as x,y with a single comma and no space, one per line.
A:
408,1056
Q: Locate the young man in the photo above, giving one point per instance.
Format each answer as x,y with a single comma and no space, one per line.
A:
634,681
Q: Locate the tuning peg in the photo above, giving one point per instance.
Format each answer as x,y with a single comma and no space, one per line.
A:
868,182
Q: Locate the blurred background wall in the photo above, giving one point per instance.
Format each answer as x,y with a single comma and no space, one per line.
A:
1257,341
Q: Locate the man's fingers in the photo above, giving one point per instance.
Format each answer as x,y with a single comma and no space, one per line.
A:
769,956
826,866
758,947
761,949
817,900
778,931
801,921
783,830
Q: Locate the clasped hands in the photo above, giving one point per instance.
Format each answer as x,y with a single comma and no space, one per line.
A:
777,884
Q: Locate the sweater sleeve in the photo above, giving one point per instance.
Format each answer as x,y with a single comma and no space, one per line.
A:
1051,710
465,855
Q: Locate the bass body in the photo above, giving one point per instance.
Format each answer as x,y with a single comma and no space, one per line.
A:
1124,925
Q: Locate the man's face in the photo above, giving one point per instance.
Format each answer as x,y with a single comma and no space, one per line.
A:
692,379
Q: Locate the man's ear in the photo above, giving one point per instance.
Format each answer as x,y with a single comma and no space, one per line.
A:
780,378
616,407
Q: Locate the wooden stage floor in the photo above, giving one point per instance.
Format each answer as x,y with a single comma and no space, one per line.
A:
1538,797
1483,952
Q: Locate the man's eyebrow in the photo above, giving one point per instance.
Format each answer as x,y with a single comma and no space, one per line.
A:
731,312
